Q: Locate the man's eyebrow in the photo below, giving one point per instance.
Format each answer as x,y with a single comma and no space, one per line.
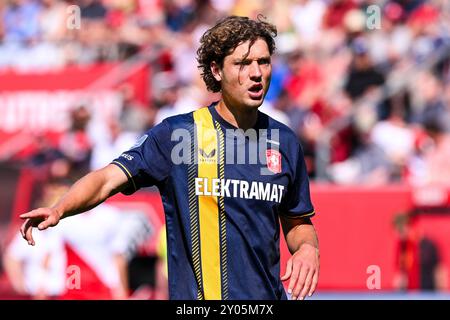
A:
248,59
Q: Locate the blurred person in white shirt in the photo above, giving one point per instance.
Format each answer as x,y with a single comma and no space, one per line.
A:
104,239
38,273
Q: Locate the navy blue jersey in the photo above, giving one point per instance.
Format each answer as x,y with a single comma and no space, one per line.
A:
222,203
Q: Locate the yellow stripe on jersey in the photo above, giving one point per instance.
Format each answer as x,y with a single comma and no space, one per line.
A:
208,205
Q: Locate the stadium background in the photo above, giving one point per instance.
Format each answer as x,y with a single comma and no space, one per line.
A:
365,84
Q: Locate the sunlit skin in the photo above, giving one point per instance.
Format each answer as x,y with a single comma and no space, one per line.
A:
244,82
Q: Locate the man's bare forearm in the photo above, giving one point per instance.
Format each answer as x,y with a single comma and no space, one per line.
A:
303,266
301,234
90,191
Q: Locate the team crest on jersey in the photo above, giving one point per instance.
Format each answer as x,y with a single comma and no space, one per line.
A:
273,159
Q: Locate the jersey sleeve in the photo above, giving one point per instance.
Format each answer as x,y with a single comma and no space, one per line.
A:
148,162
297,203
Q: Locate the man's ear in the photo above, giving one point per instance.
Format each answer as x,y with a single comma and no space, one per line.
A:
216,71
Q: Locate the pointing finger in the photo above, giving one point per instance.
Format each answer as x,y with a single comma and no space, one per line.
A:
33,214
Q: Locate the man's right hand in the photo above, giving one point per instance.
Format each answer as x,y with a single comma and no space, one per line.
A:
41,218
85,194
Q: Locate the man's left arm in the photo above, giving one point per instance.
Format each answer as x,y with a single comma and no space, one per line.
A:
303,266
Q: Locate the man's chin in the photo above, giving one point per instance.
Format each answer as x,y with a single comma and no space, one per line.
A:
254,103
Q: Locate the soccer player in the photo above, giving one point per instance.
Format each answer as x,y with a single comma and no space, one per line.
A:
223,209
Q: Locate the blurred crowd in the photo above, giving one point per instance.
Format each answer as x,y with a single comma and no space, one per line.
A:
365,84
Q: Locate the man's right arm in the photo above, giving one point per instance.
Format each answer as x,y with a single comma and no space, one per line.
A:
85,194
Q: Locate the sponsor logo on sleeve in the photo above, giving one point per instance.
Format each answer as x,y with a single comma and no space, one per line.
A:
127,156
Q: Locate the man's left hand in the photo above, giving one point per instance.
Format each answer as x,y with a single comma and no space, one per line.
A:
303,271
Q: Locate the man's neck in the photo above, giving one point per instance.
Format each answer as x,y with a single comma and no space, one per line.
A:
242,119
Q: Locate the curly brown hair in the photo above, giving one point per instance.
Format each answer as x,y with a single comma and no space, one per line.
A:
221,40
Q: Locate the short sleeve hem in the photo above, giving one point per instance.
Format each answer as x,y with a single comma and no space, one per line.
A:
303,215
127,173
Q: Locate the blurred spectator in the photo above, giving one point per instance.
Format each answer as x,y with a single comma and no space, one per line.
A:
179,13
369,165
418,261
336,11
307,17
363,76
305,78
389,44
101,243
92,9
21,22
44,152
294,112
279,74
394,137
166,94
52,20
112,145
409,6
36,272
431,107
433,167
135,117
75,144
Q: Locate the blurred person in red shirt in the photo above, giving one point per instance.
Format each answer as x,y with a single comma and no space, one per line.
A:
75,144
336,11
418,260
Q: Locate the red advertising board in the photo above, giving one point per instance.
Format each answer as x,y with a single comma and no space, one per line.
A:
40,103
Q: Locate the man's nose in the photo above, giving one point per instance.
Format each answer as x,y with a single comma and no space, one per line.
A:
255,71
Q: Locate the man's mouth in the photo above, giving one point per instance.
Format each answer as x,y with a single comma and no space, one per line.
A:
256,91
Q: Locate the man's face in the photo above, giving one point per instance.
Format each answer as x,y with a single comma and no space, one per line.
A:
245,81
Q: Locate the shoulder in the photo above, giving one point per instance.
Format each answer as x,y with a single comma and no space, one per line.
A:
285,133
179,121
167,126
